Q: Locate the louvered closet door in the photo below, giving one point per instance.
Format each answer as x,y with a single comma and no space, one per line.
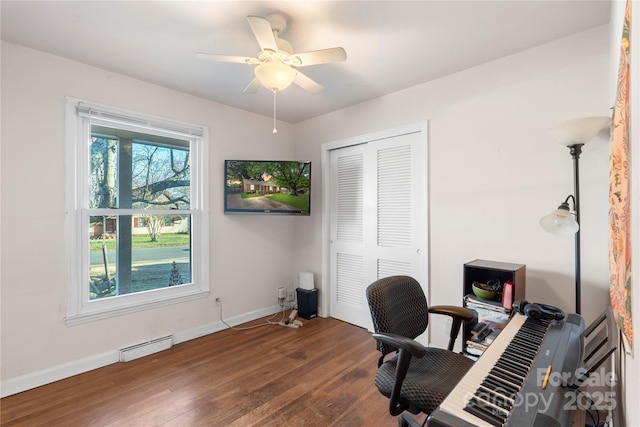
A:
378,223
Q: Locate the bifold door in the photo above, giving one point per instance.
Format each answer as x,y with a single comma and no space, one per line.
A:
378,224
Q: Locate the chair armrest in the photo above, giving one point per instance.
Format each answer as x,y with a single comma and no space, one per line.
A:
402,343
458,314
453,311
407,349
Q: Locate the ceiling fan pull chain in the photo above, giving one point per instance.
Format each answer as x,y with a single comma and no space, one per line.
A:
274,112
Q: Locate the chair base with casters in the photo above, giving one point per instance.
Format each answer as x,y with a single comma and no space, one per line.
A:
415,378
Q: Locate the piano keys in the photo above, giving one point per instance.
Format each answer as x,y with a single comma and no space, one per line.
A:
524,378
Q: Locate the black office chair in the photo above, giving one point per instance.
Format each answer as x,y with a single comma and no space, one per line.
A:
417,378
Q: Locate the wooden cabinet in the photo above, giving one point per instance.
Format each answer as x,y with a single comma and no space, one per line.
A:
492,312
483,271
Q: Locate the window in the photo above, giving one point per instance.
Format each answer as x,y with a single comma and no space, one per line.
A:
136,218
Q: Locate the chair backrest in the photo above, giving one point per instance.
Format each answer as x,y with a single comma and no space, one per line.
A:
397,306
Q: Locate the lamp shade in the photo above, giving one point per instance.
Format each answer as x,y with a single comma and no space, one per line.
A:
560,222
275,75
579,131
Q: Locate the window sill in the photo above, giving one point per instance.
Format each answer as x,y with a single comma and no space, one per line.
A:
118,311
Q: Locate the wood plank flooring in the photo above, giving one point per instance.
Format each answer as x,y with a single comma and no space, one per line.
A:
319,375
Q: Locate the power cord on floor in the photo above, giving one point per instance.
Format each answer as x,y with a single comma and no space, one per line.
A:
267,322
596,422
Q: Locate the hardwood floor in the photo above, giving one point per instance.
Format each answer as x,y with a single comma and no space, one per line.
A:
318,375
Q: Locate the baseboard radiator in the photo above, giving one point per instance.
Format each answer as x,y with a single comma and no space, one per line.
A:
146,348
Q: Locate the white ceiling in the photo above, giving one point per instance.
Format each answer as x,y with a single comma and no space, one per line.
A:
391,45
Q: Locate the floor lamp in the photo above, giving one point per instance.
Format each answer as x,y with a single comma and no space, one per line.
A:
564,221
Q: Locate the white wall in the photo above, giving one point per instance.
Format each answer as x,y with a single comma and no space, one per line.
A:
494,168
35,338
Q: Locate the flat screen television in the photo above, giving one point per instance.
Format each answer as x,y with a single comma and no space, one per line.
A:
267,187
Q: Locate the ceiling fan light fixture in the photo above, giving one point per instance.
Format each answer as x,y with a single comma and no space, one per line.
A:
275,75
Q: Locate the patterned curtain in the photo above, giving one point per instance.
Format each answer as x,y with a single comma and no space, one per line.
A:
619,196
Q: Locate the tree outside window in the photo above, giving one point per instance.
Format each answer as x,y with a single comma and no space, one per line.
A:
139,172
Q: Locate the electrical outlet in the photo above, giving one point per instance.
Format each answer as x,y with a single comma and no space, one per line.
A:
216,301
290,296
281,293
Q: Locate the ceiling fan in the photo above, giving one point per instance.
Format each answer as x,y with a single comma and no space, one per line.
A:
276,64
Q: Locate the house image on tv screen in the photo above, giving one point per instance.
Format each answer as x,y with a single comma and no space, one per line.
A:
263,187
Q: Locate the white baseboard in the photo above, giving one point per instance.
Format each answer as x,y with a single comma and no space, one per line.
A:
183,336
66,370
56,373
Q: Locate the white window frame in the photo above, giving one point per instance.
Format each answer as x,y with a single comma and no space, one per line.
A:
79,116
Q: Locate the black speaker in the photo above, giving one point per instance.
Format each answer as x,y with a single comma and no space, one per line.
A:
307,303
538,311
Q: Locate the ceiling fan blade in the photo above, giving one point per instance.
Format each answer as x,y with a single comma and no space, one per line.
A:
264,34
227,58
324,56
306,83
253,86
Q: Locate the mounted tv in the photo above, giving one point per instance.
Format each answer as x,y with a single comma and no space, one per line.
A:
267,187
